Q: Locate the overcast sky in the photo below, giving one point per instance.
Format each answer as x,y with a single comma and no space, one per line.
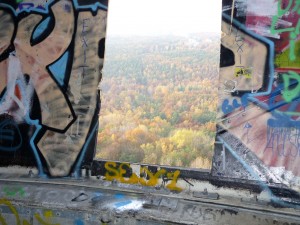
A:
157,17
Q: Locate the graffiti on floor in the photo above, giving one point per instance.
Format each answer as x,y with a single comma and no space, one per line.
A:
13,191
45,219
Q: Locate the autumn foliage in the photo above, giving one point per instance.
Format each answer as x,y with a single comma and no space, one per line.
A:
159,100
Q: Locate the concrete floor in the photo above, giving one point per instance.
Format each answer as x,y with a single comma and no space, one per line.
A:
90,201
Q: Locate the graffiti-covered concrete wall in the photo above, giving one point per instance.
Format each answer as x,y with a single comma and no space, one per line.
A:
51,59
259,84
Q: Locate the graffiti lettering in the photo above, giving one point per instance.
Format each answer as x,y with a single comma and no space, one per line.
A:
173,177
273,121
84,79
290,94
294,31
283,141
117,172
53,57
241,71
47,215
239,40
197,212
284,116
229,108
84,41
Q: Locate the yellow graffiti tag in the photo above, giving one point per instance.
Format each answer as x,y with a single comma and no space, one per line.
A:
13,211
117,172
241,71
47,214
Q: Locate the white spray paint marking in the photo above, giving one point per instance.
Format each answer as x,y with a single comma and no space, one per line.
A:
262,7
263,30
15,77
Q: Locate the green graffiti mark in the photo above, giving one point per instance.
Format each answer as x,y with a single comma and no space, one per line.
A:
282,60
288,94
19,1
297,7
293,38
275,19
13,191
282,11
294,31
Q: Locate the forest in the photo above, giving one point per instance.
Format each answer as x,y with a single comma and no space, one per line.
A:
159,98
